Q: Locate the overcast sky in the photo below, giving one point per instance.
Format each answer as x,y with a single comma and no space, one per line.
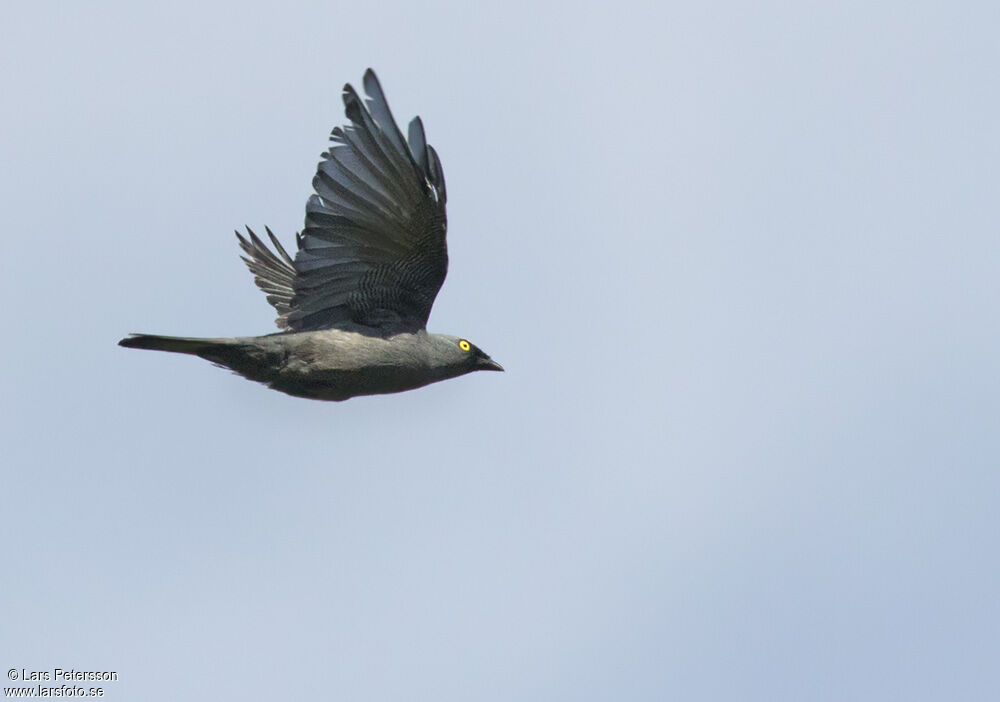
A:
740,261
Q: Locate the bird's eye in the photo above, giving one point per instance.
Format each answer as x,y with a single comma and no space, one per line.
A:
464,345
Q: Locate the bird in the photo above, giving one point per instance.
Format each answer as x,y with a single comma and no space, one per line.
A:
354,301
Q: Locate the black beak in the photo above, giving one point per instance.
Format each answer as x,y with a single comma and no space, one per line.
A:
488,363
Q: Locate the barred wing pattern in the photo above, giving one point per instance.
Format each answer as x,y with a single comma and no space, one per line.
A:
373,251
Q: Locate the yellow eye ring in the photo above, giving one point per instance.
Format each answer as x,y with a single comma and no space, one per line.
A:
464,345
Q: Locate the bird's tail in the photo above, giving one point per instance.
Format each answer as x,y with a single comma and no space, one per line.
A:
174,344
249,359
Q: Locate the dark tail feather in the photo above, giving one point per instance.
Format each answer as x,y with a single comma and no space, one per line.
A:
174,344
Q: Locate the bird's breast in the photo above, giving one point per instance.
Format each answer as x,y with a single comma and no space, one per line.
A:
337,365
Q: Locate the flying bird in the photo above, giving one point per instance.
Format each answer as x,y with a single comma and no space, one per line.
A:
354,301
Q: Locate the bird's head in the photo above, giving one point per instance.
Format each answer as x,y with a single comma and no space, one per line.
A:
459,355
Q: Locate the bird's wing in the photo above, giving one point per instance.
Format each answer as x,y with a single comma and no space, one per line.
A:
274,274
373,250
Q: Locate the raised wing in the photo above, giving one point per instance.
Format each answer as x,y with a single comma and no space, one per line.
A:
373,250
274,275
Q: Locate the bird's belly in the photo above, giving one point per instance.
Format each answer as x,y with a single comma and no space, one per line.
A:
342,384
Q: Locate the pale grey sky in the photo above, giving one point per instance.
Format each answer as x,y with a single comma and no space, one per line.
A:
741,263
